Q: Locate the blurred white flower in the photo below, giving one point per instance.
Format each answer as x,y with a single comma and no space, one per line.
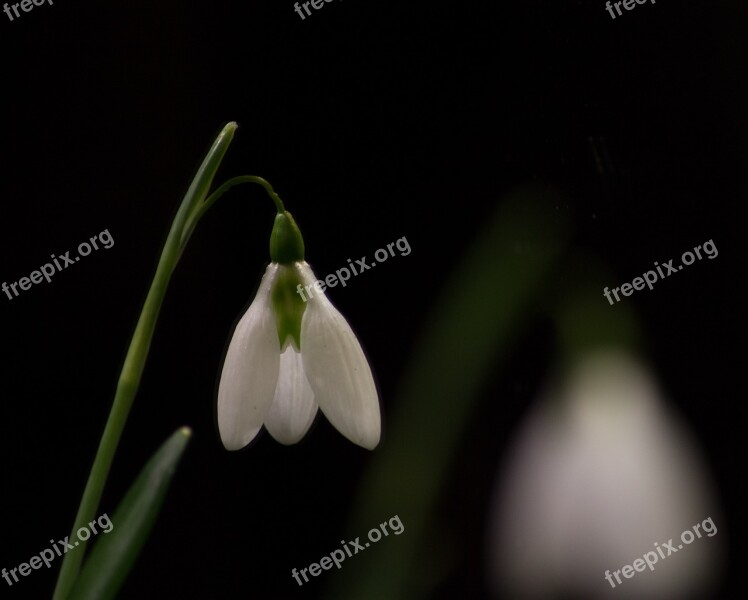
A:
600,473
286,358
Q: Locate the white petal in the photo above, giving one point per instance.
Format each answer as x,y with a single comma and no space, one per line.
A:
250,371
338,371
293,408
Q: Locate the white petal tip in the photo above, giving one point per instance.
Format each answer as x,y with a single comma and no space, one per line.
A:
286,437
293,409
339,374
370,444
366,439
235,442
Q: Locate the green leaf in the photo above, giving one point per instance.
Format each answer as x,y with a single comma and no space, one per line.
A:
115,552
197,193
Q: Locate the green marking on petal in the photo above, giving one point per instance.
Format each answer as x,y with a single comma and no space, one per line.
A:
288,306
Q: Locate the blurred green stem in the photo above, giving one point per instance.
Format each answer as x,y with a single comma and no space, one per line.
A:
468,336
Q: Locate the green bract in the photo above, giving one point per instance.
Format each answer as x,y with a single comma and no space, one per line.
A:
286,243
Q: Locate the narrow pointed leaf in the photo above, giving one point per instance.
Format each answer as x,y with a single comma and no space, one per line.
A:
186,218
115,552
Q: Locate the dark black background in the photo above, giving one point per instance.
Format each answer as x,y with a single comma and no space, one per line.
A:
373,120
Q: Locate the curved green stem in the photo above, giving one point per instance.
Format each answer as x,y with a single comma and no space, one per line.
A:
245,179
137,353
202,208
194,205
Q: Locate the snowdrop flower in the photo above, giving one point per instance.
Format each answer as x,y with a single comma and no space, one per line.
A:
288,357
601,473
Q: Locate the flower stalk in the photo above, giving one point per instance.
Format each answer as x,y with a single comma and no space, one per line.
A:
194,205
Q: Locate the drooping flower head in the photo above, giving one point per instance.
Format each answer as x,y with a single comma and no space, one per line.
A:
288,356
